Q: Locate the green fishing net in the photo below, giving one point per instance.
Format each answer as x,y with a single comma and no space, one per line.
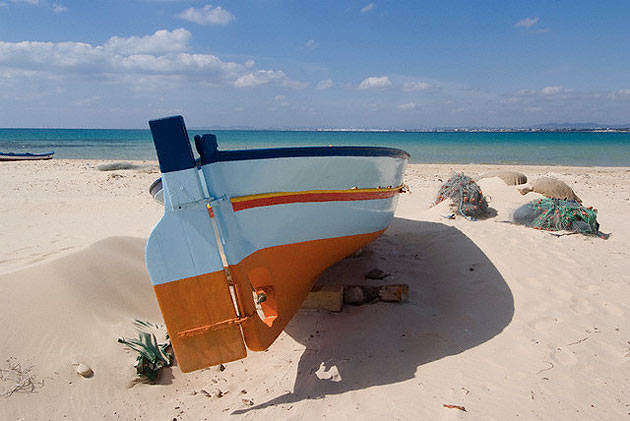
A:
153,356
468,199
558,215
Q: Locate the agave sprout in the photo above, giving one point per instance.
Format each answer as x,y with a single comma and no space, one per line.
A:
153,355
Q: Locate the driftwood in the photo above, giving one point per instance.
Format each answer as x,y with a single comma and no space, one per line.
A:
18,379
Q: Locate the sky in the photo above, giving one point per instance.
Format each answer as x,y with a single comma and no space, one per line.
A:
314,64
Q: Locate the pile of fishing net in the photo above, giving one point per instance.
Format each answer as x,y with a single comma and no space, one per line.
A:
558,215
467,197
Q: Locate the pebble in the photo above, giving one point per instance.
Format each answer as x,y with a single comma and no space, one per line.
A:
376,273
83,370
353,295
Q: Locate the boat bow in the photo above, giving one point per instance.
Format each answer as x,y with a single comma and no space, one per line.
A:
245,235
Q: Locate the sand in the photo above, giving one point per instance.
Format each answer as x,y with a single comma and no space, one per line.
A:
506,321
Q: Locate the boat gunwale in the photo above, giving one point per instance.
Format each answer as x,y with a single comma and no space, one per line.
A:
307,152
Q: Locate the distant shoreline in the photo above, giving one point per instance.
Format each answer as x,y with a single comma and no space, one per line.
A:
360,130
546,147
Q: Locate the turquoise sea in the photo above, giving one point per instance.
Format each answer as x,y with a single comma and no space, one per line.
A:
560,148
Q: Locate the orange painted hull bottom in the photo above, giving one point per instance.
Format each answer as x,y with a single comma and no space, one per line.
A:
200,313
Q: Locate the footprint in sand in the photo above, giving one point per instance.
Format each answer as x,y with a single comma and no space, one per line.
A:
592,288
613,309
564,357
581,306
490,387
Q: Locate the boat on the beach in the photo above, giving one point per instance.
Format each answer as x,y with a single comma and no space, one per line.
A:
246,233
25,156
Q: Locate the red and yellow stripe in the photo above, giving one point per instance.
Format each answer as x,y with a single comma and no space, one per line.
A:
280,198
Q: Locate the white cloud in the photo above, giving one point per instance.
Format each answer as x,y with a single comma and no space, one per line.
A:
161,41
58,8
176,63
34,55
294,84
324,84
375,82
525,92
620,94
526,23
552,90
207,15
407,107
279,97
55,7
261,77
310,44
127,60
416,86
368,7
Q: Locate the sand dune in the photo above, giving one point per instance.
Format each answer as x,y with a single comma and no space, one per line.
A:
71,310
502,319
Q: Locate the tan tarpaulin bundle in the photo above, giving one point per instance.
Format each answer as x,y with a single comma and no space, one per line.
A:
511,178
552,188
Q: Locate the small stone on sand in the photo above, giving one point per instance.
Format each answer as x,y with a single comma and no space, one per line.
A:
376,274
353,295
83,370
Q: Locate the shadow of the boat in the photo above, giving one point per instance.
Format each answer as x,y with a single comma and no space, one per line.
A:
457,300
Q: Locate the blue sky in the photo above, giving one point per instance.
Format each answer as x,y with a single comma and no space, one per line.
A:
306,64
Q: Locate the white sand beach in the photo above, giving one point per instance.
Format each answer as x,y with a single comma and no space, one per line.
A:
505,321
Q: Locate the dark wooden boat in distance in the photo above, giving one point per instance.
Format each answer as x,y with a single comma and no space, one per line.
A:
25,156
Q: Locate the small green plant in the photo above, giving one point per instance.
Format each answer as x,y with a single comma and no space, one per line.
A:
153,355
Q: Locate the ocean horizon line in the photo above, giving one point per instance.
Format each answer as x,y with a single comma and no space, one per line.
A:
562,147
598,129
